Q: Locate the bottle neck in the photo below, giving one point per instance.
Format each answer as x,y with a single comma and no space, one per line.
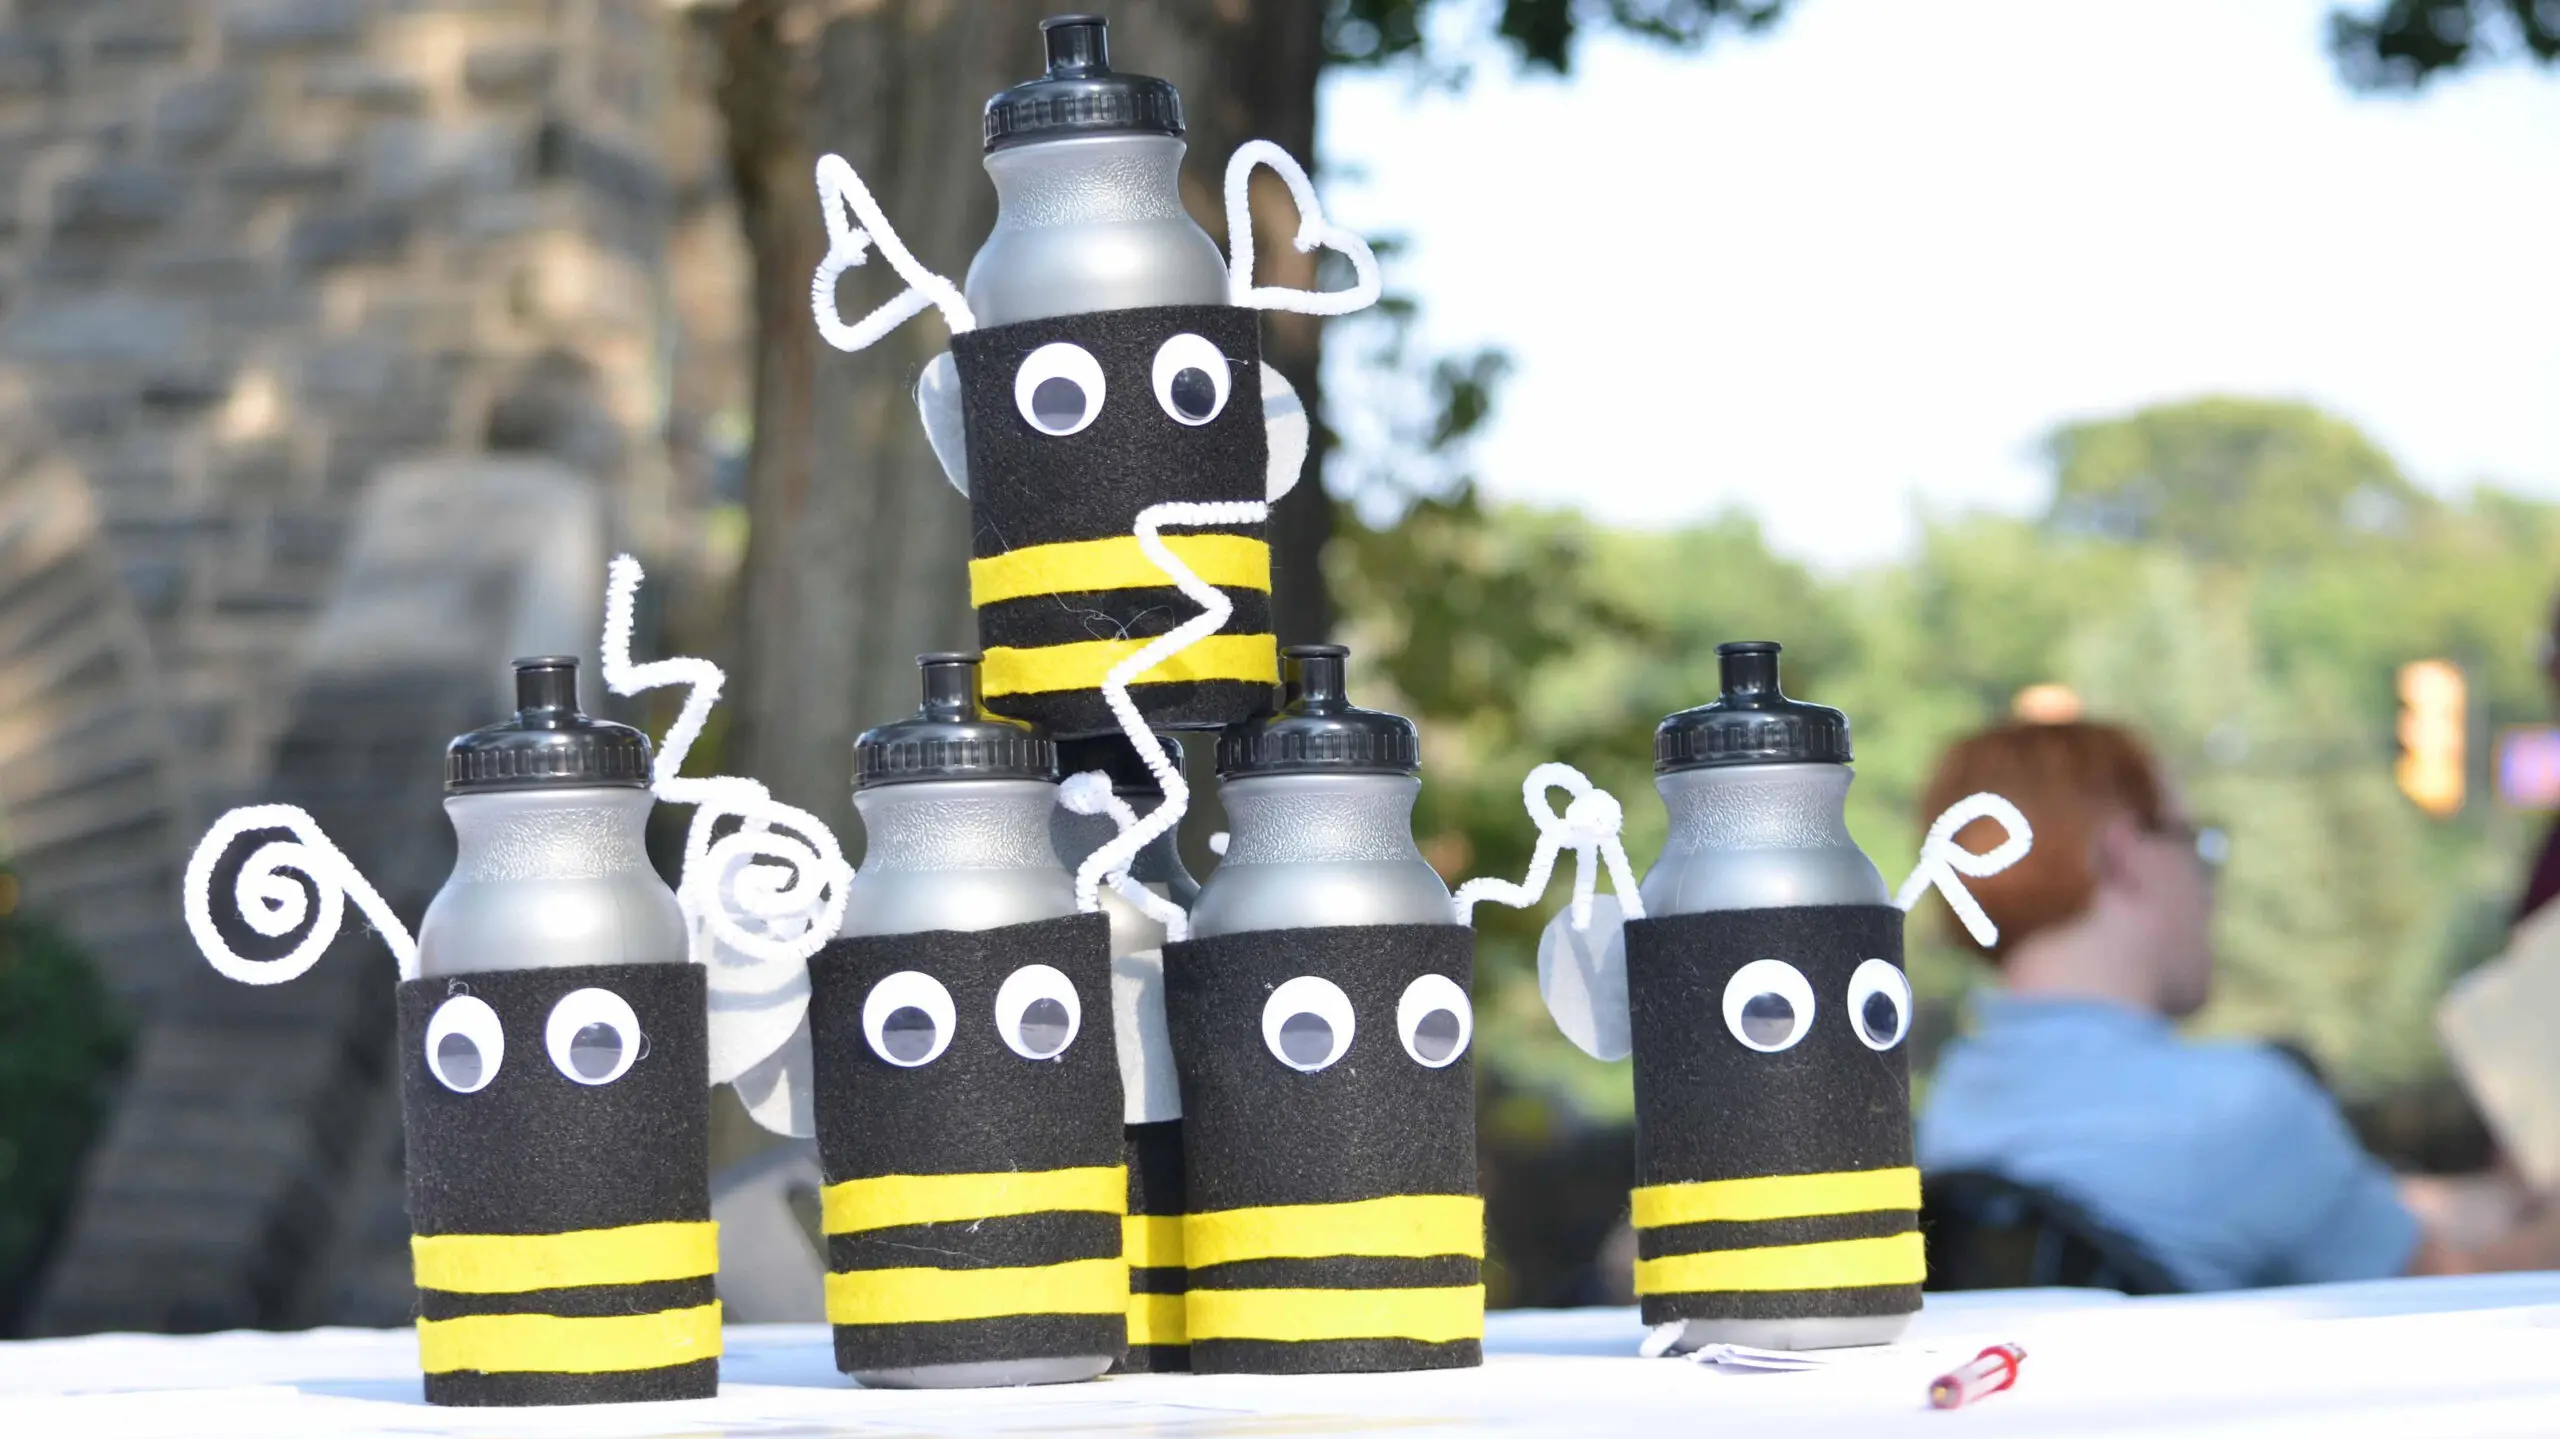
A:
1757,807
931,826
516,835
1320,819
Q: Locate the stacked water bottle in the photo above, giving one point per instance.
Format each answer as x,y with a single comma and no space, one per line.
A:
1075,1110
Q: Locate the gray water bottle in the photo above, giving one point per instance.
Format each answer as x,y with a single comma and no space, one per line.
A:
1319,800
1159,866
550,811
1087,166
955,806
1757,785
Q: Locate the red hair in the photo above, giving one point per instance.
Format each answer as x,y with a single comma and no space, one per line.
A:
2069,780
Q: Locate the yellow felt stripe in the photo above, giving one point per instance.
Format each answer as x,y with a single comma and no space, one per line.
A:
1157,1319
1151,1241
1777,1196
549,1344
1432,1316
519,1263
1081,664
857,1205
1077,566
1834,1264
939,1296
1407,1226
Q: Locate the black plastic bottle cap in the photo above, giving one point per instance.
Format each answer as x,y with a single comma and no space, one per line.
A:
1081,94
951,735
1317,729
550,744
1752,722
1115,756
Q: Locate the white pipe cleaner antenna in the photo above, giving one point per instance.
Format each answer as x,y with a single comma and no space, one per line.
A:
1119,852
1090,793
848,244
1947,864
772,891
273,904
1589,827
1315,232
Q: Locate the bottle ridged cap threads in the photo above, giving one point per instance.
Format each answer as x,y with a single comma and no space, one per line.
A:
1317,730
1752,722
550,743
1081,94
951,736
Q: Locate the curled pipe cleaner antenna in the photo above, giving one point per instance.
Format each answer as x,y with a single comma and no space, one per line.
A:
272,902
1122,850
1589,827
1090,793
1947,864
1315,232
847,244
760,898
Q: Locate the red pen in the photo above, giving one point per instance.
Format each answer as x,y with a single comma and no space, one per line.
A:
1989,1372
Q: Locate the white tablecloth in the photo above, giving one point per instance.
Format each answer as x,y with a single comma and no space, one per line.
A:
2404,1358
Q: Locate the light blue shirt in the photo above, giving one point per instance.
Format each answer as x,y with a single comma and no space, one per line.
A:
2223,1160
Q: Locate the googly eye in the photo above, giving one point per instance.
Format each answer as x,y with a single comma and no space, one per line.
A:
464,1044
1435,1021
1768,1005
1191,379
1307,1023
1059,388
1037,1012
593,1036
908,1019
1879,1004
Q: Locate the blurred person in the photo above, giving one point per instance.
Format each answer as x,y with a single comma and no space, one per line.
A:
2224,1161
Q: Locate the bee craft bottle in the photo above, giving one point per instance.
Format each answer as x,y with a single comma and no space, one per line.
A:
967,1083
1151,1107
1110,372
552,1063
1776,1204
1321,1026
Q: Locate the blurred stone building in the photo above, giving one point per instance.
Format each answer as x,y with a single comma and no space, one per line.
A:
340,343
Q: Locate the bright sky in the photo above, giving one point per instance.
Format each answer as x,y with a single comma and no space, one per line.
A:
1865,262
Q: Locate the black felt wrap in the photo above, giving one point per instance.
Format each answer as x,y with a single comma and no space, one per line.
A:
1155,1188
1710,1108
1374,1124
1029,488
978,1108
534,1152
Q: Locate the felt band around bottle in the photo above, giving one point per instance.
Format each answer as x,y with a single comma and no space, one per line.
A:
1332,1224
562,1238
1771,1184
973,1203
1061,588
1151,1241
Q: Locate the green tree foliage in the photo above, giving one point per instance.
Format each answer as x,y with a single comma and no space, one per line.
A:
1541,32
2402,44
58,1048
2250,625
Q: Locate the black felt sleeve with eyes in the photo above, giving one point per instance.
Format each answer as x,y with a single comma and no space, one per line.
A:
534,1152
1708,1107
1028,488
1257,1132
979,1108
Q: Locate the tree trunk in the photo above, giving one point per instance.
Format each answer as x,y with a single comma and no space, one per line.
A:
857,551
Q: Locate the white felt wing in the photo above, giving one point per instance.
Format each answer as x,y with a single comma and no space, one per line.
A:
1149,1091
1582,975
1284,422
938,400
778,1090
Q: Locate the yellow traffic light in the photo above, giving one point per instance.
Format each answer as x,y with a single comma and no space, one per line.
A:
2432,727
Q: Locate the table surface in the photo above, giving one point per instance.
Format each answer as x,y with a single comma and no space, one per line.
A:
2405,1357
